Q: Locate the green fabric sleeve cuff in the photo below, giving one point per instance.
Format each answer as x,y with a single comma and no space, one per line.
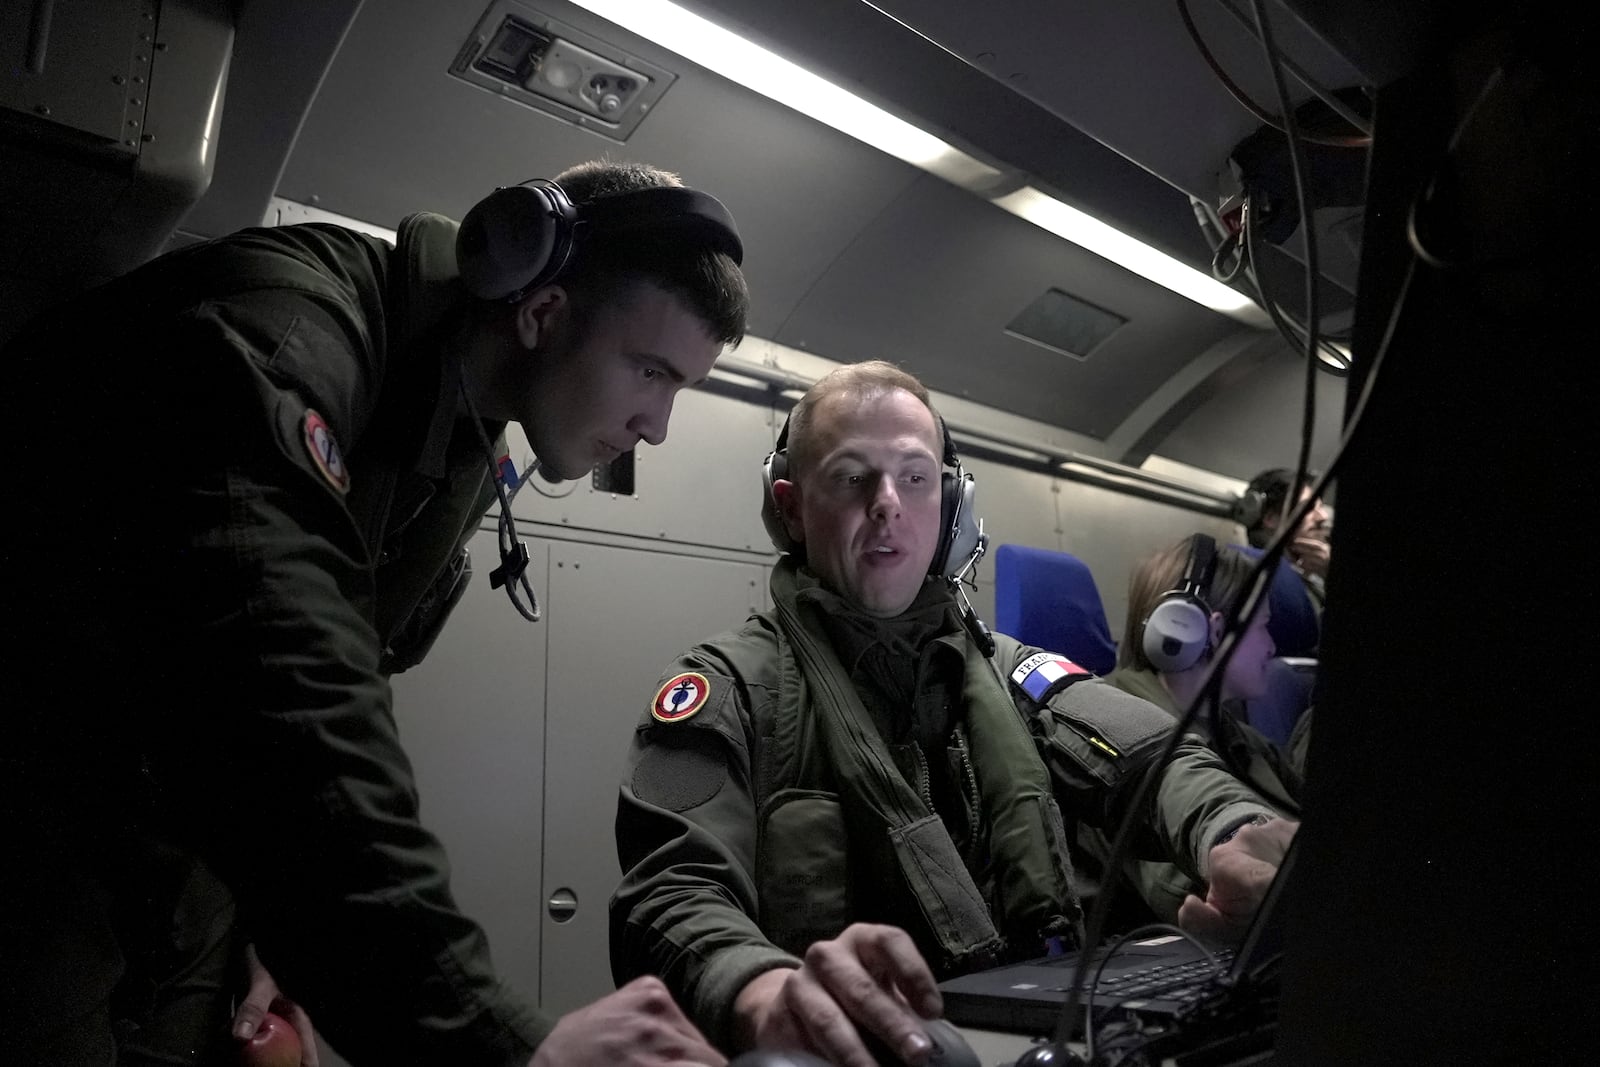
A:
724,976
1223,825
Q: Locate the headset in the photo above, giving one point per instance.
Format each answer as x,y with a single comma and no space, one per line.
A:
523,236
1178,631
961,538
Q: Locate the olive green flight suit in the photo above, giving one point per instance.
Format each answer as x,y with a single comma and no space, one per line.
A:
738,845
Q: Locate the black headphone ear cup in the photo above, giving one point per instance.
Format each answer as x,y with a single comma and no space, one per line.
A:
959,529
776,468
514,239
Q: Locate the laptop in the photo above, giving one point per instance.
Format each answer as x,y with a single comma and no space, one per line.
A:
1161,977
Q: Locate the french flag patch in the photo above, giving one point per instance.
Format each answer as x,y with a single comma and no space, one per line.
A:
1043,673
506,471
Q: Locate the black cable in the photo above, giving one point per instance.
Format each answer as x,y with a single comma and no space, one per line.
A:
1276,122
513,553
1413,231
1239,618
1329,359
1234,245
1308,234
1149,929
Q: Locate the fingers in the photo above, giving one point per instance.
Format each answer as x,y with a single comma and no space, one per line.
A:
665,1031
856,980
811,1010
296,1017
1202,920
263,991
891,957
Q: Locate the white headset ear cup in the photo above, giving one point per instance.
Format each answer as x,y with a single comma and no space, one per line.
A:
776,468
1176,634
509,239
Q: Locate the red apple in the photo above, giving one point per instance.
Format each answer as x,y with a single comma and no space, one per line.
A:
275,1045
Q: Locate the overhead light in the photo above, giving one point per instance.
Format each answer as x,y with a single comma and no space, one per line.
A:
1090,233
776,78
726,53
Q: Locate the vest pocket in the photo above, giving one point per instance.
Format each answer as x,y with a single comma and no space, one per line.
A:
802,869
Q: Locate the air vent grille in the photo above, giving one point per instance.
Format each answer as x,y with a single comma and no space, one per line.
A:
1063,323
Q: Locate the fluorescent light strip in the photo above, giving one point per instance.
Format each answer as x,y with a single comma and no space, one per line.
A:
1088,232
726,53
774,77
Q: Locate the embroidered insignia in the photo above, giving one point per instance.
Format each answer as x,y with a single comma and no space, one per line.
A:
1042,673
681,697
325,452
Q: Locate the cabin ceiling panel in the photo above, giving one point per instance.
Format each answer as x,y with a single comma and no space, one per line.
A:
390,108
932,282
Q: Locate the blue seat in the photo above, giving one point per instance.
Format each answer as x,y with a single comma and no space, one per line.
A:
1295,626
1049,599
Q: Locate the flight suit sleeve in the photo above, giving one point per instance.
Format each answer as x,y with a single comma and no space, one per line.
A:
308,801
687,908
1099,742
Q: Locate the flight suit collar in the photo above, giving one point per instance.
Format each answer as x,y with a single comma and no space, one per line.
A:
430,306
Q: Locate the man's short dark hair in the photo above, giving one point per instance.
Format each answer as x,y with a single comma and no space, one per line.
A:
709,282
1272,486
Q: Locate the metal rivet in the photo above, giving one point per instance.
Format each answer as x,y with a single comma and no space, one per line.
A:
147,137
41,109
135,101
119,80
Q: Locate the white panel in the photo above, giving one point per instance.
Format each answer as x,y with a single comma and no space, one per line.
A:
472,720
1017,507
619,616
701,487
1111,532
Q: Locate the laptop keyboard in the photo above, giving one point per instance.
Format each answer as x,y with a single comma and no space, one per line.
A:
1177,981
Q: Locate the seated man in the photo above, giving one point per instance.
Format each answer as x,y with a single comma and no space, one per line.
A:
852,758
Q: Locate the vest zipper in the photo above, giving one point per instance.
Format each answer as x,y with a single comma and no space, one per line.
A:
974,807
923,785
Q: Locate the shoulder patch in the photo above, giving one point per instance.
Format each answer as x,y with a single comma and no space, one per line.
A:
1045,673
325,452
680,697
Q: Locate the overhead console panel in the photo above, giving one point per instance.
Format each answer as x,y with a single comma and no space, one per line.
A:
518,52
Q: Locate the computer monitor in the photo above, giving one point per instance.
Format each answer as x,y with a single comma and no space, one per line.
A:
1443,913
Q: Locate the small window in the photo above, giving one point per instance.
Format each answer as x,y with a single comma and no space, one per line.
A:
1063,323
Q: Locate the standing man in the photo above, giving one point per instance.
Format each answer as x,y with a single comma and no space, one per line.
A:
844,799
244,475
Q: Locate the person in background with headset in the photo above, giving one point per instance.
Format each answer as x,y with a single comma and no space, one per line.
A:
1178,601
245,474
867,753
1298,633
